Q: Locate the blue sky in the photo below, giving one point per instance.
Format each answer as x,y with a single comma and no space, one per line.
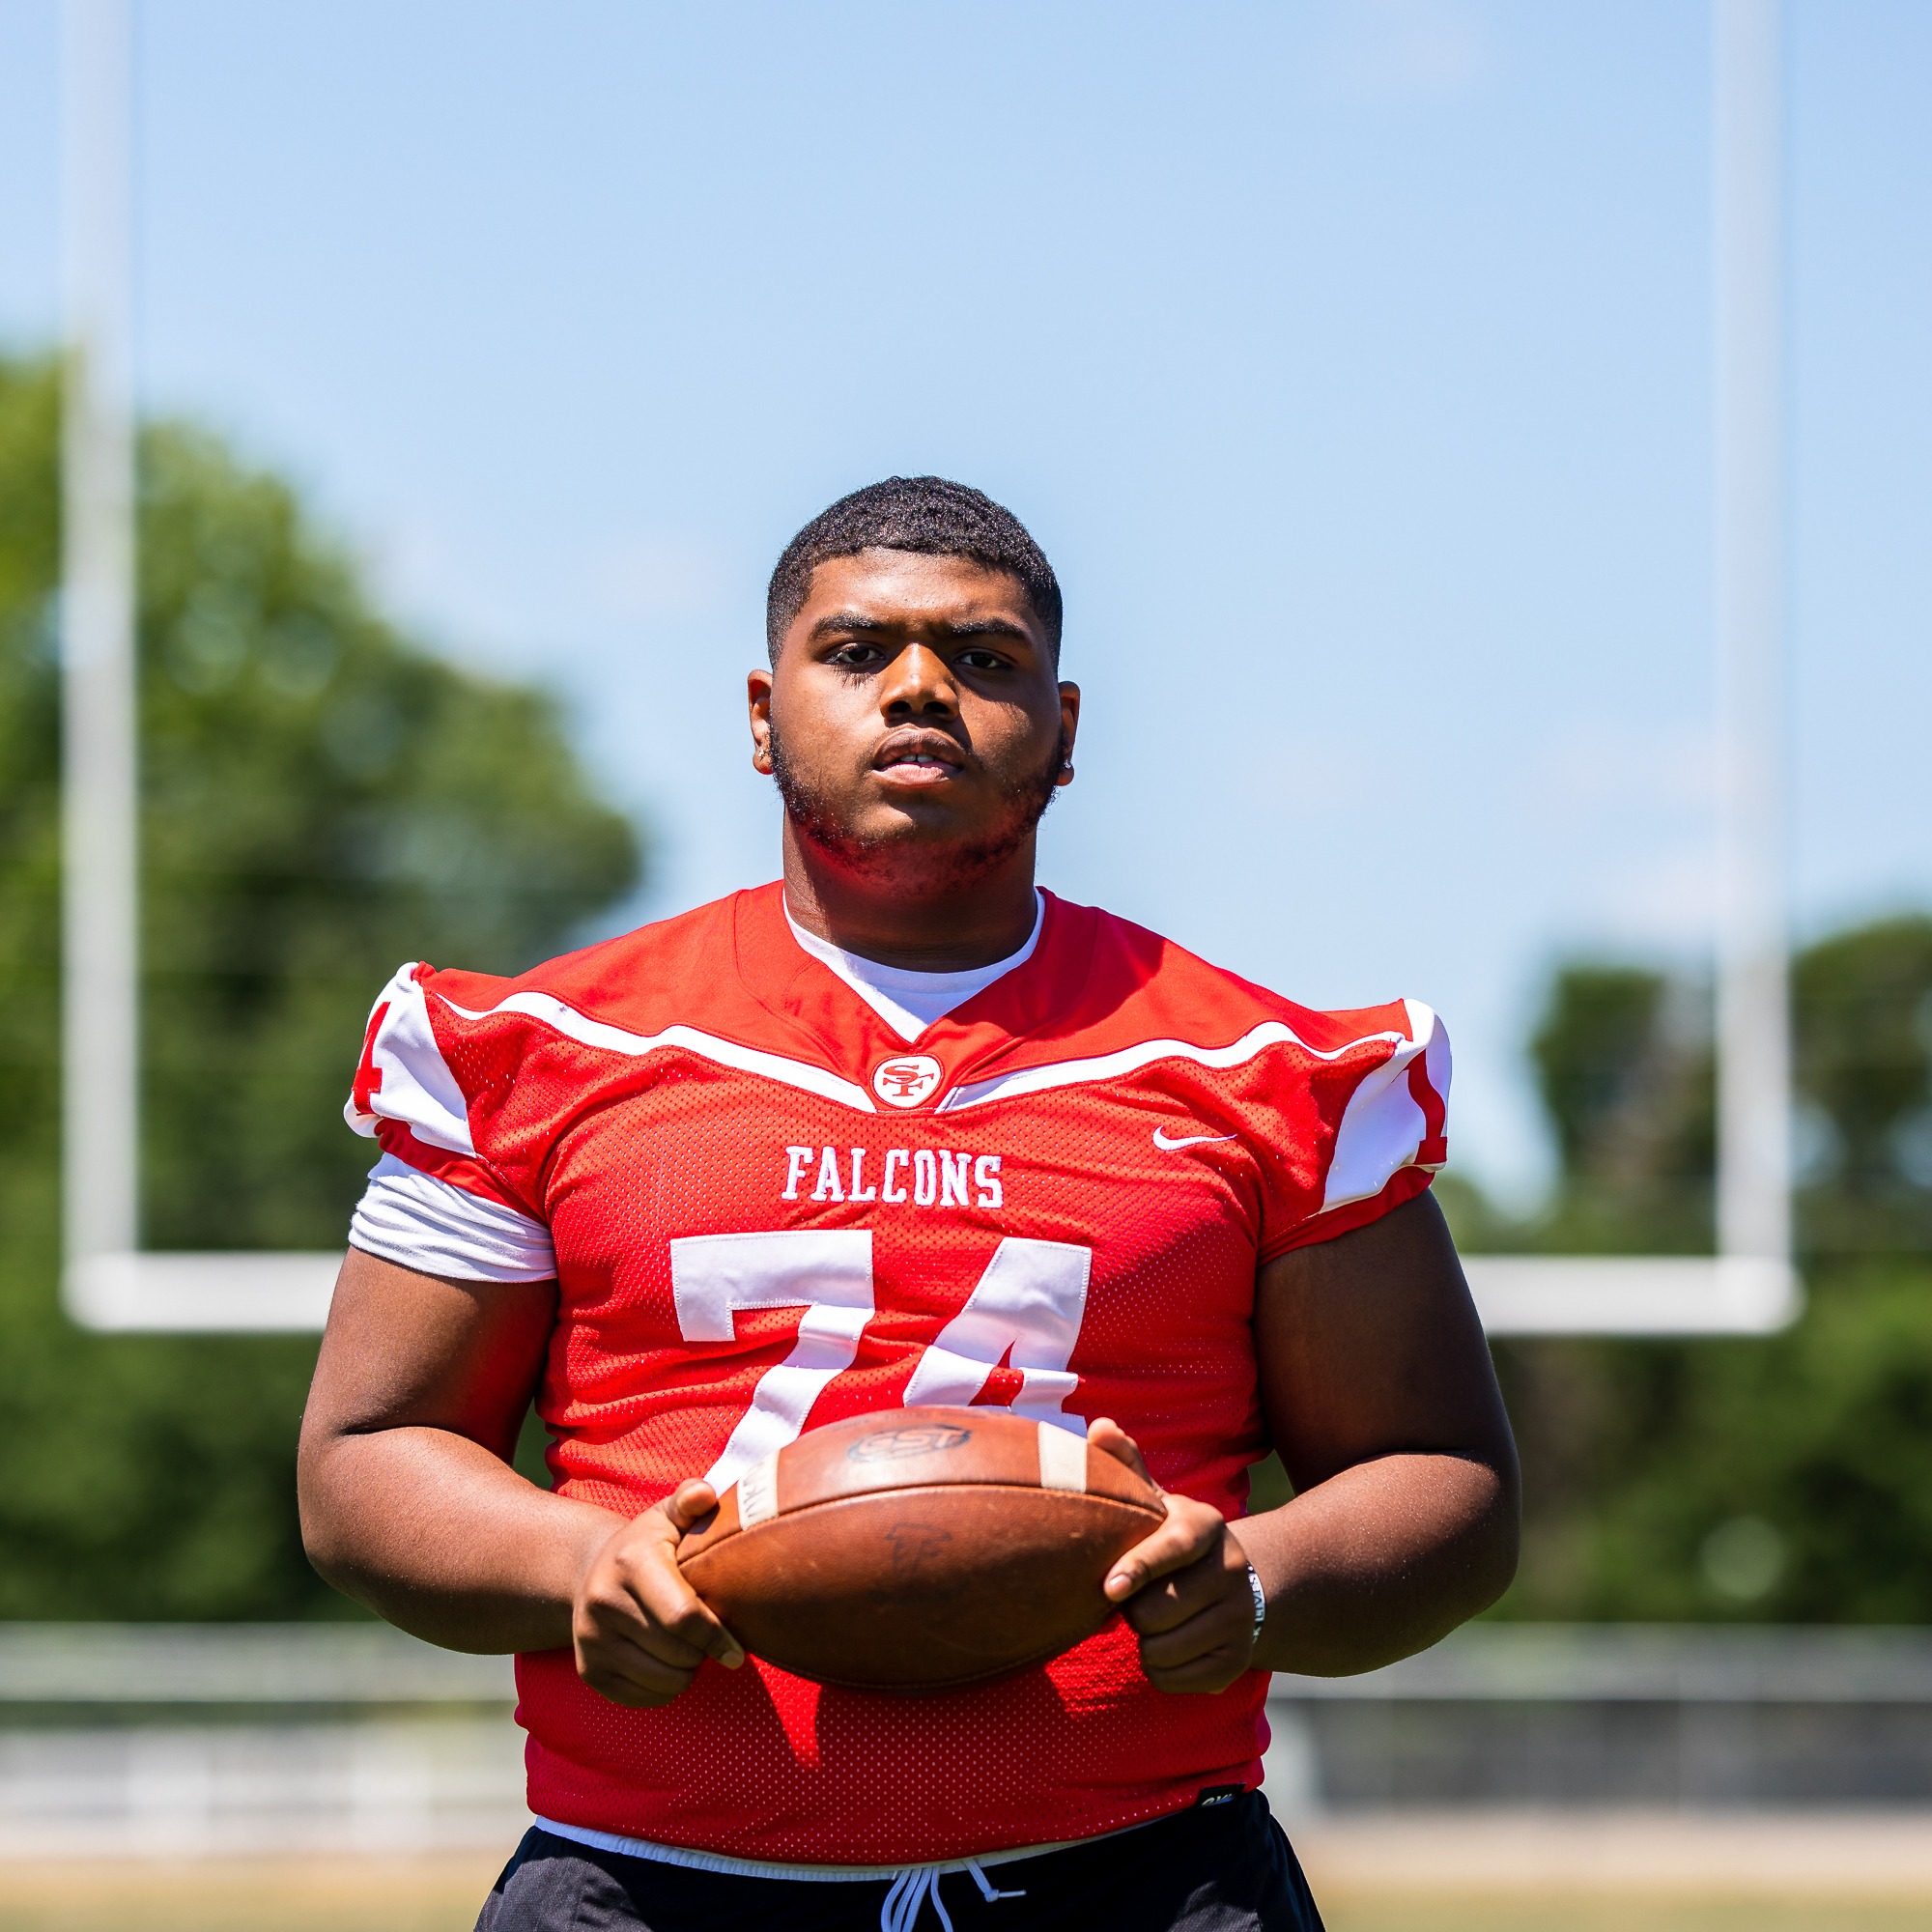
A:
1350,360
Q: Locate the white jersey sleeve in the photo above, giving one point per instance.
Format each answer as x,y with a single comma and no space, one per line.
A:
420,1222
430,1205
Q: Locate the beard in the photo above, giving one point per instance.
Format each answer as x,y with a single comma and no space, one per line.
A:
900,854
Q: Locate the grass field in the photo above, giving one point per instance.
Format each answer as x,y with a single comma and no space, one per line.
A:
442,1895
245,1896
1629,1912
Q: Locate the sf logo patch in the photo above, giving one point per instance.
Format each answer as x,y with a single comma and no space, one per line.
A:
908,1079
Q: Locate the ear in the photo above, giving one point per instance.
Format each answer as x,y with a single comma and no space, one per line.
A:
758,704
1069,727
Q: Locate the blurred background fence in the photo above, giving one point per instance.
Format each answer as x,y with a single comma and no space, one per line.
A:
1662,1716
191,1741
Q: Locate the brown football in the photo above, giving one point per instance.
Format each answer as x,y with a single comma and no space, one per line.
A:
919,1549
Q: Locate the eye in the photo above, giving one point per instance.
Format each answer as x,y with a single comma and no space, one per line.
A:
978,657
855,657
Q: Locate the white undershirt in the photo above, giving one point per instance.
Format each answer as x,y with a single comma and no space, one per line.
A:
910,1001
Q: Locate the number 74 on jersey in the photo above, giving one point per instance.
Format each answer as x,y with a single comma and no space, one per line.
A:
1025,1308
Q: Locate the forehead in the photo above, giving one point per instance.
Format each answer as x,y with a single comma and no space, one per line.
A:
908,589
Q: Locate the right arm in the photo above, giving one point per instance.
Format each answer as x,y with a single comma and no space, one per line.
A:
410,1505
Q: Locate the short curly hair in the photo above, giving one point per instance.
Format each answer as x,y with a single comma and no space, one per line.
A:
927,515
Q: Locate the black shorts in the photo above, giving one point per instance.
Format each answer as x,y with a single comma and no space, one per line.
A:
1217,1868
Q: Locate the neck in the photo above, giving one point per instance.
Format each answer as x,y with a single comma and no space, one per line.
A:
898,918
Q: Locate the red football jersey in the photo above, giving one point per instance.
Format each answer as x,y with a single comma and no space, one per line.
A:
769,1212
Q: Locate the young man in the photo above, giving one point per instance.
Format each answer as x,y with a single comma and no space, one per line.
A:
902,1129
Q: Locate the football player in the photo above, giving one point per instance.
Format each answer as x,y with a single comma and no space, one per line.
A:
903,1129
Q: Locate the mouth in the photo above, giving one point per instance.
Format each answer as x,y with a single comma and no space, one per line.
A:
918,758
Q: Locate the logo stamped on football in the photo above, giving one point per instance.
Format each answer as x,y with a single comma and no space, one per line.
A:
914,1545
907,1079
888,1445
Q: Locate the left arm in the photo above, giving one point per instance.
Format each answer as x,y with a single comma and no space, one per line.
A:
1379,1395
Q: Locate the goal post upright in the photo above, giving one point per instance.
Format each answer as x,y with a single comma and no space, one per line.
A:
1753,1209
99,891
107,1281
1750,1286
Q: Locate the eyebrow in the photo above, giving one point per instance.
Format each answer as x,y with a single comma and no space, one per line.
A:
860,625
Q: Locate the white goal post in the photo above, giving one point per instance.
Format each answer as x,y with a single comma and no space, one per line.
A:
108,1283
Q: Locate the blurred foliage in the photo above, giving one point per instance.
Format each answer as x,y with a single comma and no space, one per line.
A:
1865,1068
1623,1065
1786,1478
321,800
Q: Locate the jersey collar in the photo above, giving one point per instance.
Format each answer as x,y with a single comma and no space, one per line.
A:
1036,997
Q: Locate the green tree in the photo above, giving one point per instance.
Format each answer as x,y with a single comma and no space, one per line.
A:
1624,1066
1863,1002
1787,1478
321,800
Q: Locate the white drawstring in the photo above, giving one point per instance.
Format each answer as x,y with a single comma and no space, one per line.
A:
916,1883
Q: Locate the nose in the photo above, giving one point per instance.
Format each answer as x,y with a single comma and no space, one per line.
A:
917,683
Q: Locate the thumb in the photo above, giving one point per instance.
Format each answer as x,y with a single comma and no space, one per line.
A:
690,1503
687,1506
1111,1439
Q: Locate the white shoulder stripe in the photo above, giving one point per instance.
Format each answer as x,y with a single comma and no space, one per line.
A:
1131,1058
1382,1127
413,1083
607,1038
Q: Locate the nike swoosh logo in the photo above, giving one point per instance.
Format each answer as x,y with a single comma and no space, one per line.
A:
1166,1146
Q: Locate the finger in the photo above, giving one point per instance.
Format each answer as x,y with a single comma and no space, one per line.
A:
1166,1602
677,1644
1207,1675
1219,1631
1191,1530
618,1692
721,1644
1111,1439
687,1506
689,1621
655,1597
647,1599
636,1689
690,1503
629,1672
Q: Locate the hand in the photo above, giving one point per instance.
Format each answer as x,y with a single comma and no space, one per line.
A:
638,1628
1184,1589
